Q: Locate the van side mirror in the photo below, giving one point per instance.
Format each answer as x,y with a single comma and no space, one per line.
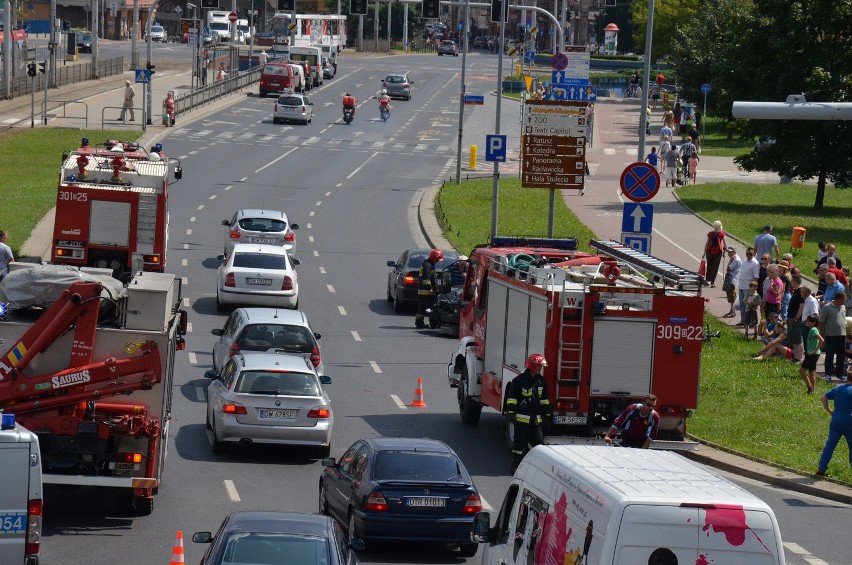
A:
325,379
211,374
294,226
481,532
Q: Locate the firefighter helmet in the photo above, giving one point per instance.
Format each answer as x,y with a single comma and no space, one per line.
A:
535,362
436,255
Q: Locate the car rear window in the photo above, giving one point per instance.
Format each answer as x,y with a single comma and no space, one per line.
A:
395,80
260,337
260,547
417,466
290,101
262,224
260,261
275,70
416,260
219,26
280,383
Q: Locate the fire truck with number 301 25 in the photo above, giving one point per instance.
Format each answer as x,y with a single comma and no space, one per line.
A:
91,376
112,208
613,327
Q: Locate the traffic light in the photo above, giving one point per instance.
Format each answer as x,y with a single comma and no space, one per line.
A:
150,68
358,7
42,67
288,5
496,10
31,69
431,9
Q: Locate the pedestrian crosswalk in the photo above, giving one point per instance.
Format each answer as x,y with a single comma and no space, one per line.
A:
285,139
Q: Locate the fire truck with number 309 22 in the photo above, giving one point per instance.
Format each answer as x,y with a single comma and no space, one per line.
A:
613,327
112,208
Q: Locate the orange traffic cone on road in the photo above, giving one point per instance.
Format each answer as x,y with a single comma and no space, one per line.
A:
418,395
177,550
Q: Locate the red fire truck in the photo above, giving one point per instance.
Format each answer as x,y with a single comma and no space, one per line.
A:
112,208
613,327
95,385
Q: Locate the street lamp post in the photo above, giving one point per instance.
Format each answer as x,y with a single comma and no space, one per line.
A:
643,114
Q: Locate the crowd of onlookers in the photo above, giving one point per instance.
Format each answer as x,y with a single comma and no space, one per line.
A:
794,318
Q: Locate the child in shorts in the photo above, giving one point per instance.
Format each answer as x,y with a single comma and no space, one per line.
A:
813,343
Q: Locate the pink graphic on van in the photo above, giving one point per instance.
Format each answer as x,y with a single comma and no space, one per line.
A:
730,520
556,534
702,560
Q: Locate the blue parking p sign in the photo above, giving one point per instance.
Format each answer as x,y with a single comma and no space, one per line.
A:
495,148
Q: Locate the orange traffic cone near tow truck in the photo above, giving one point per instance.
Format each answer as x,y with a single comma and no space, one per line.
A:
177,550
418,395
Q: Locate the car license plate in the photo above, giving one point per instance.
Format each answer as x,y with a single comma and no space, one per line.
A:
570,420
262,240
277,414
12,522
424,502
124,466
259,282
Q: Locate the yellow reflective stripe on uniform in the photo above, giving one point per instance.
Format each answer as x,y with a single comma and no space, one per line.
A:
522,418
511,401
526,392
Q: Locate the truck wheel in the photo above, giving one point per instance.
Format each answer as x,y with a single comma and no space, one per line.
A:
469,409
130,505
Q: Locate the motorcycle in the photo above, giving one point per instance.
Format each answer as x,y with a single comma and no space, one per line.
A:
348,114
384,112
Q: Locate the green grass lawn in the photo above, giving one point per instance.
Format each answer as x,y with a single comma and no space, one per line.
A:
757,408
715,141
30,161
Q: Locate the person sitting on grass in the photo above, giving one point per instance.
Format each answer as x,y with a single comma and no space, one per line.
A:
813,343
769,328
777,346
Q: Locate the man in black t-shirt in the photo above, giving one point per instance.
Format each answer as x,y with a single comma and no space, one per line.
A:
794,318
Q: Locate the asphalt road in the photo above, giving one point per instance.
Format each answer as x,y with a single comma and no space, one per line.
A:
354,191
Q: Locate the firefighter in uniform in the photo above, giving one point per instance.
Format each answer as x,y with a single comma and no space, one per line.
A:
526,403
426,286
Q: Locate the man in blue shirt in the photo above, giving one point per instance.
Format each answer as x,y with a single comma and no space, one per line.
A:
766,244
841,423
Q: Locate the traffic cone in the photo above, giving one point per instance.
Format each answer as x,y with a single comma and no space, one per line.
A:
177,550
418,395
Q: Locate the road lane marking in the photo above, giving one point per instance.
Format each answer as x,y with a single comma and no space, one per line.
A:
186,302
199,394
804,553
184,262
328,193
330,288
319,203
200,207
316,253
193,358
376,368
339,185
186,246
342,310
184,281
399,402
244,179
485,506
275,160
232,490
309,225
322,270
355,172
189,231
192,218
312,214
311,238
212,197
355,336
229,187
189,327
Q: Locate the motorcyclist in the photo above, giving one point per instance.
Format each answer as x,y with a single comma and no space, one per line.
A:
349,102
426,286
527,401
384,101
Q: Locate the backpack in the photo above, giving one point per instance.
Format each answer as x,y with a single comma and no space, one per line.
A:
715,248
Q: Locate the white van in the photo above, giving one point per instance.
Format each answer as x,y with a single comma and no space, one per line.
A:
220,26
298,77
596,505
329,52
20,494
313,56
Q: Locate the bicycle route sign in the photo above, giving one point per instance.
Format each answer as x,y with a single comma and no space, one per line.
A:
640,182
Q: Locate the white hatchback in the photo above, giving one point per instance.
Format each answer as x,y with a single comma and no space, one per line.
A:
257,275
268,227
293,107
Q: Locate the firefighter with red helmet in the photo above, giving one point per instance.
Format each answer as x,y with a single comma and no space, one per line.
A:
527,403
426,286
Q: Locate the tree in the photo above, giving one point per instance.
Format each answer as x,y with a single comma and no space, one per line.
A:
800,47
669,19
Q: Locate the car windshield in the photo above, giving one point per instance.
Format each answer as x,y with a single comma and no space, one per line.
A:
415,260
262,224
87,38
156,28
417,466
285,549
273,382
260,337
290,101
260,261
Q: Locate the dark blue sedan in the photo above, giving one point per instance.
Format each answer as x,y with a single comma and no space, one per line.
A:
401,489
278,537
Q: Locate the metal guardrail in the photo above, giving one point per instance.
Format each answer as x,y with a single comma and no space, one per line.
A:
64,105
124,123
205,94
65,74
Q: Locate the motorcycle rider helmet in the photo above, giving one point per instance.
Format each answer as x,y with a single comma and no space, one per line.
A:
347,94
384,92
535,362
436,255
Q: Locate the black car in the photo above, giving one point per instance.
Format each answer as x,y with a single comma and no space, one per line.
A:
402,279
84,42
401,490
278,537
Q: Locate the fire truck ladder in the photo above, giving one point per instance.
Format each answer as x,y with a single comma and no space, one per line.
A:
570,349
668,273
146,224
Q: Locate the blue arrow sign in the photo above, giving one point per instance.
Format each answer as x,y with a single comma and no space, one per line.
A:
637,218
529,56
705,88
143,76
574,92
